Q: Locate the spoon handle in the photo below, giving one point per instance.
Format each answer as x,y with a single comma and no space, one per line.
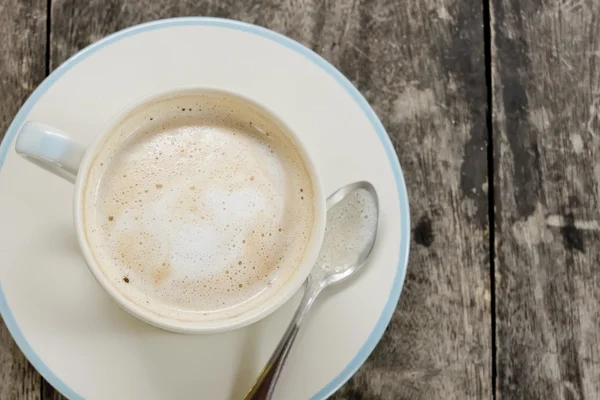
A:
264,386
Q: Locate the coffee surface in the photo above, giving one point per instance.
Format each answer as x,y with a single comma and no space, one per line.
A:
198,207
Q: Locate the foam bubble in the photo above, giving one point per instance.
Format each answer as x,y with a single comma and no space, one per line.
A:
199,209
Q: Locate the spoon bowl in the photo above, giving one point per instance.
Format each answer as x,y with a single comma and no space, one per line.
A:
354,211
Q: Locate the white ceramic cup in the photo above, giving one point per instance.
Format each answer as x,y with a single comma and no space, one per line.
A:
54,151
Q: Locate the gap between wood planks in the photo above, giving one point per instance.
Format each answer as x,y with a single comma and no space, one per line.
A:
48,31
487,37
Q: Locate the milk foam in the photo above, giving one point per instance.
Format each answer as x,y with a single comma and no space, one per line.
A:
198,207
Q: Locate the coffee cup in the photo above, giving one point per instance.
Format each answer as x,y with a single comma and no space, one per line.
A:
198,210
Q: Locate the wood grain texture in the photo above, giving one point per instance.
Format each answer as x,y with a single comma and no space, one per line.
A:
22,67
546,138
49,393
421,66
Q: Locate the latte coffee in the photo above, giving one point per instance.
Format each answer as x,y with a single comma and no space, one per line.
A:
198,206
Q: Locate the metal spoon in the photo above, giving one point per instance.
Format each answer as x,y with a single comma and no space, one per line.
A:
352,218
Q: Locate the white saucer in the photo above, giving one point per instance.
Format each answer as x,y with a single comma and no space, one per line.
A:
73,333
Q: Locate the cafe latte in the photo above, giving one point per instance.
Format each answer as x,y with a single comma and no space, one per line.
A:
199,206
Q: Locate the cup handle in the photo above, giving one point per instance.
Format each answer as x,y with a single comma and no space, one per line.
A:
50,149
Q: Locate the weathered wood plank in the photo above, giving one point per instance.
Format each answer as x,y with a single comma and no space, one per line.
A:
49,393
22,67
421,65
18,379
546,95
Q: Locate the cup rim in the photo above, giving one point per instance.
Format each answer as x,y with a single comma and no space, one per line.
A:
254,314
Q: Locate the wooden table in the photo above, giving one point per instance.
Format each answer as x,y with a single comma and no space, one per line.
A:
494,110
